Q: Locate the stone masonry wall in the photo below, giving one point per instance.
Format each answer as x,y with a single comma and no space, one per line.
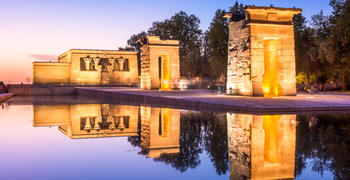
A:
239,145
238,71
145,127
145,68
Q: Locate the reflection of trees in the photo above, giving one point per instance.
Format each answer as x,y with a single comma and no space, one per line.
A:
198,132
326,144
215,142
190,144
136,140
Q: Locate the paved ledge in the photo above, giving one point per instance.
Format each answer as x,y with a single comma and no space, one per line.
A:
5,96
208,101
49,89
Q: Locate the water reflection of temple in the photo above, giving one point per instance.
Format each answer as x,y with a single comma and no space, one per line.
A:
89,120
160,130
261,146
159,127
254,146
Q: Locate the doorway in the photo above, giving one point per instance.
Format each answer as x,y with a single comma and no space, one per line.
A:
163,73
270,81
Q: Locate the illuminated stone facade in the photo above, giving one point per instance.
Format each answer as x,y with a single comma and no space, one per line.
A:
160,64
89,120
261,146
160,131
261,59
160,127
89,67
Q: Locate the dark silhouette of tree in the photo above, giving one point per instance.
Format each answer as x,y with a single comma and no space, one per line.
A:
217,36
185,28
216,141
198,132
324,144
190,144
217,39
135,45
336,44
322,48
237,11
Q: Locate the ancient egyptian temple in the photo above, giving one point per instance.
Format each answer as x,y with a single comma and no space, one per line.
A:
261,60
89,67
160,67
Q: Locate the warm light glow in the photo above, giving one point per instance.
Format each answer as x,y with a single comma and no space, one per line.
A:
165,81
270,82
165,85
166,116
270,126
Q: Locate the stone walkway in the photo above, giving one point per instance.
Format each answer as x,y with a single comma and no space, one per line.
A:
211,101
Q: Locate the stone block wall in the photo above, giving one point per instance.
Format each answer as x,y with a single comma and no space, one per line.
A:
119,77
145,81
239,63
285,62
239,145
51,73
68,69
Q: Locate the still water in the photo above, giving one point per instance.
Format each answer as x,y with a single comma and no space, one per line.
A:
112,141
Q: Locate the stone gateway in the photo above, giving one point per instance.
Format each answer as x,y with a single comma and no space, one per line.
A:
261,60
160,63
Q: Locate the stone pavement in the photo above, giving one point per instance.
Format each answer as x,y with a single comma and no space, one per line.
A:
212,101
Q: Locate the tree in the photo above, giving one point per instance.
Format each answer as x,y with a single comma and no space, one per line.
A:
185,28
133,40
335,46
237,11
190,144
217,37
206,67
216,141
322,142
136,45
305,48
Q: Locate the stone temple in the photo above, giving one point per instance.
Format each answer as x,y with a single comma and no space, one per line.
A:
261,59
160,66
89,67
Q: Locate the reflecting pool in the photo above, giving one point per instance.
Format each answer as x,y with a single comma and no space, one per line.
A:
89,140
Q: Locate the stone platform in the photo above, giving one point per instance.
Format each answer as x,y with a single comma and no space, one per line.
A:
212,101
49,89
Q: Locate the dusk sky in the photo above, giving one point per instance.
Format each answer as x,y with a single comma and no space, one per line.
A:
37,30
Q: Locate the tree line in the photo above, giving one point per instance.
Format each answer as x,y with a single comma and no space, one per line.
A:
202,54
322,44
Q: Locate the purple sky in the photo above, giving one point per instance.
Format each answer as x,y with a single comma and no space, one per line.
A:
33,29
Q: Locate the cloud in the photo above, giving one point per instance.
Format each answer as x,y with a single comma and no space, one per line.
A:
43,57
